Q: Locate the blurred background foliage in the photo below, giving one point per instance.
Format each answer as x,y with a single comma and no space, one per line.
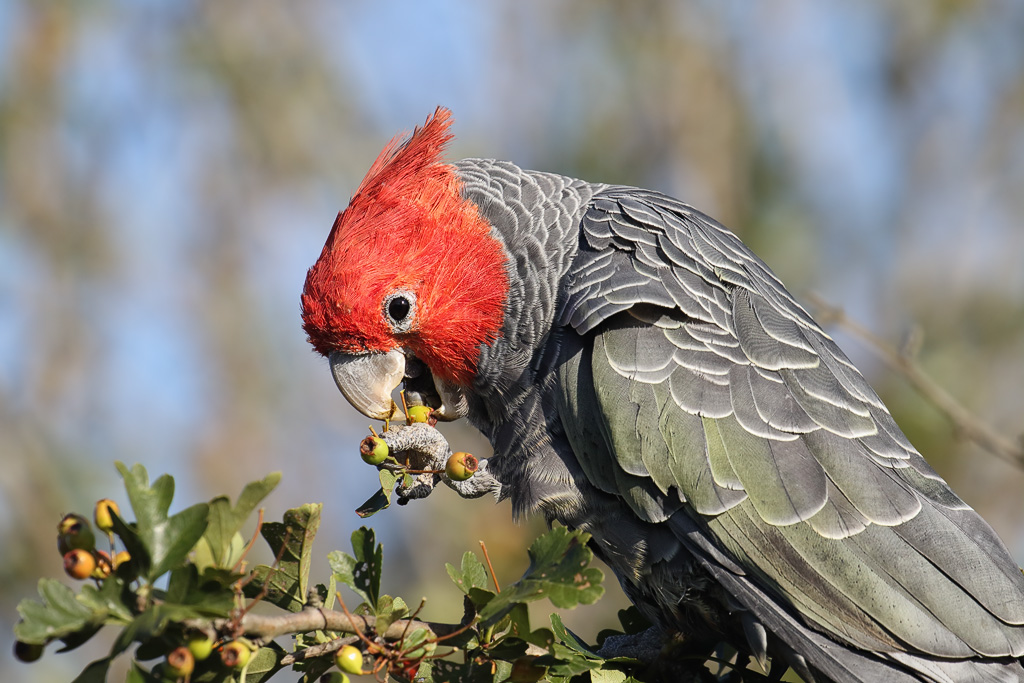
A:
169,170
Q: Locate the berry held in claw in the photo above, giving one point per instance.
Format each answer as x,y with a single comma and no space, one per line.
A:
461,466
373,450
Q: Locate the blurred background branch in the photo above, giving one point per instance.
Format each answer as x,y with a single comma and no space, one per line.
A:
903,360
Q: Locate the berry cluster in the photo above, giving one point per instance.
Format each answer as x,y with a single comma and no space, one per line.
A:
375,451
77,543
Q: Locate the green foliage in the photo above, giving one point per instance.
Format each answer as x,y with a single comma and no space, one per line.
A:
165,540
362,572
209,592
285,584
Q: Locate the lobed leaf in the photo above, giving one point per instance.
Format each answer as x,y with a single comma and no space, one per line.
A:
222,544
472,574
362,572
292,541
559,570
60,614
167,540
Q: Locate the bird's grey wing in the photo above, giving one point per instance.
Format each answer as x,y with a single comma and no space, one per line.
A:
720,399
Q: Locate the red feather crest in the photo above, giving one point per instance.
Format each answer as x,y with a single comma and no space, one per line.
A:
408,227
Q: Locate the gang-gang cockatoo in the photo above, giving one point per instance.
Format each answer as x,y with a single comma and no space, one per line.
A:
644,377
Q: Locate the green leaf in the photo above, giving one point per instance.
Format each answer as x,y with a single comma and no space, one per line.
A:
202,596
330,592
137,674
415,644
471,575
388,479
96,672
508,649
108,599
167,540
362,572
222,543
382,498
59,614
568,638
559,570
292,542
265,663
377,502
480,598
389,610
149,624
607,676
129,535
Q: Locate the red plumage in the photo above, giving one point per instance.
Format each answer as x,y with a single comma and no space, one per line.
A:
408,227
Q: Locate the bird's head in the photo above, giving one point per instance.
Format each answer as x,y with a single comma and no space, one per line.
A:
410,270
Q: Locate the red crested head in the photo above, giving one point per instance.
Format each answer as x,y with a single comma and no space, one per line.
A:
409,264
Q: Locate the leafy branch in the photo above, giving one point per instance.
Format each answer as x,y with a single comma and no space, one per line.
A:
200,628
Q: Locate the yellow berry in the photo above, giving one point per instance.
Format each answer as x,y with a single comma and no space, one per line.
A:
104,567
102,514
419,414
200,645
349,659
461,466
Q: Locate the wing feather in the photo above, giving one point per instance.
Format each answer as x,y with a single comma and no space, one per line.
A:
709,400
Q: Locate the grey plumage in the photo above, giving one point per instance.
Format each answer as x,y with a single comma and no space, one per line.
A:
657,385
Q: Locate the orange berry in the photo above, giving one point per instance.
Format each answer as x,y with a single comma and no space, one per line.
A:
79,564
180,662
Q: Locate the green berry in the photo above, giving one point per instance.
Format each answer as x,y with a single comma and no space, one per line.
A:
74,533
461,466
105,509
349,659
27,652
79,564
200,645
373,450
235,654
419,414
180,662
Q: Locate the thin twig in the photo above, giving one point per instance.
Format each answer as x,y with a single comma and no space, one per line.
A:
902,361
255,535
318,650
490,568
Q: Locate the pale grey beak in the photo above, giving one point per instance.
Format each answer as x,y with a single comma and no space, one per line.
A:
367,380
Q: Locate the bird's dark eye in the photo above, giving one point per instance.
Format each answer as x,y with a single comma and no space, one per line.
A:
398,308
